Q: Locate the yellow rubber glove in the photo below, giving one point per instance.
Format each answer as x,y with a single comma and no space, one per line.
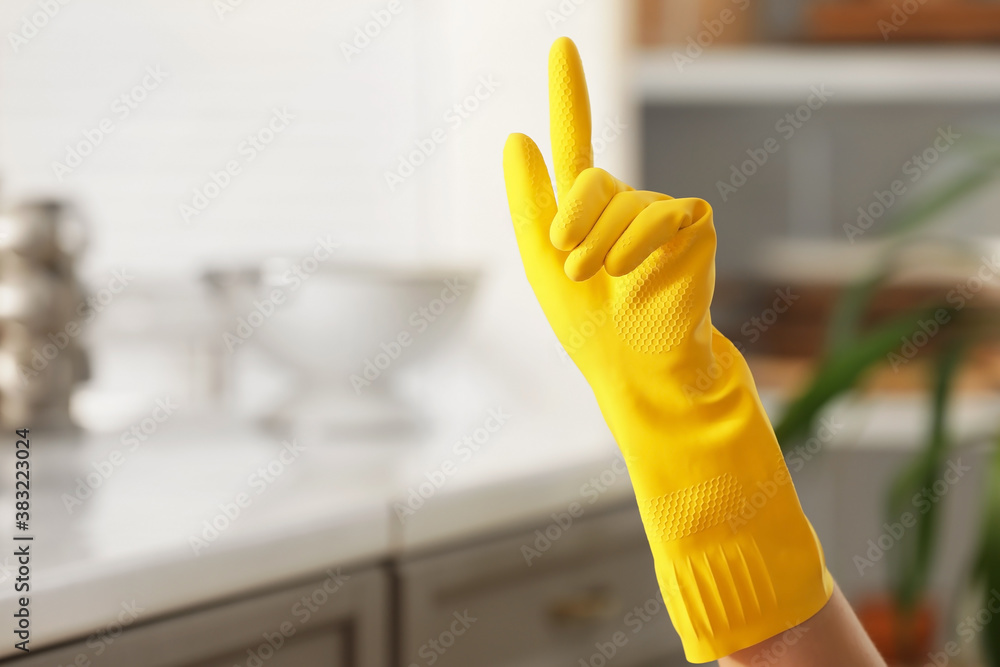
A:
625,278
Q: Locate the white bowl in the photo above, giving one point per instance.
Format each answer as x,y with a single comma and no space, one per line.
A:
347,329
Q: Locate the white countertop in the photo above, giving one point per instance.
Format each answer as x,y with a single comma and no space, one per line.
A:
332,504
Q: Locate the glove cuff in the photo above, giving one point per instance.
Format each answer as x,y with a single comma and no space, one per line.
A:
739,577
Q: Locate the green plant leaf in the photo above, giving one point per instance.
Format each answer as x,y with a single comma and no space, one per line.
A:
987,566
841,370
979,174
845,321
913,555
850,353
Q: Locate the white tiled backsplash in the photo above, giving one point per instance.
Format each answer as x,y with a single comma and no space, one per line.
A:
223,75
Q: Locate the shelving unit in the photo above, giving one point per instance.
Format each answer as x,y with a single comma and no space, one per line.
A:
781,75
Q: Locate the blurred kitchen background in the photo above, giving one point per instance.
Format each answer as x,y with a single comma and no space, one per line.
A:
292,402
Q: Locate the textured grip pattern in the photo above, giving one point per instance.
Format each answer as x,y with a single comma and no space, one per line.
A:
569,111
539,198
571,213
654,308
691,510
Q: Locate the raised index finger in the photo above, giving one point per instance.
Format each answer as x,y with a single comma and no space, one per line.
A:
569,115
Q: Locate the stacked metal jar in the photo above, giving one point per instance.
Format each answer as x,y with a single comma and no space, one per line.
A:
43,313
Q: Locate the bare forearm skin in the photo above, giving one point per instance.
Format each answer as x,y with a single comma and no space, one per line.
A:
831,638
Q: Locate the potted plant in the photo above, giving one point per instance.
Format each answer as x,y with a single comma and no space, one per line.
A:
902,621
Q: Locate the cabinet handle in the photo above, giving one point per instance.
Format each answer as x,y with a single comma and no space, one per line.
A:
586,607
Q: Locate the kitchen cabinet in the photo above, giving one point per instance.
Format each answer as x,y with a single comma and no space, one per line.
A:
578,587
573,591
334,621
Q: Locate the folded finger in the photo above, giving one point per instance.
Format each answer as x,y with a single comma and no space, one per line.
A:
589,256
655,226
580,208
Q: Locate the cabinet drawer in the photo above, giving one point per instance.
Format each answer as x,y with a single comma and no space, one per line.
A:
589,589
344,625
326,649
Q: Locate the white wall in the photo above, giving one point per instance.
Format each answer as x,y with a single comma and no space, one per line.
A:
325,173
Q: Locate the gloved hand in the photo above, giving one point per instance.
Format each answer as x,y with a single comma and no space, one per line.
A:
625,279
